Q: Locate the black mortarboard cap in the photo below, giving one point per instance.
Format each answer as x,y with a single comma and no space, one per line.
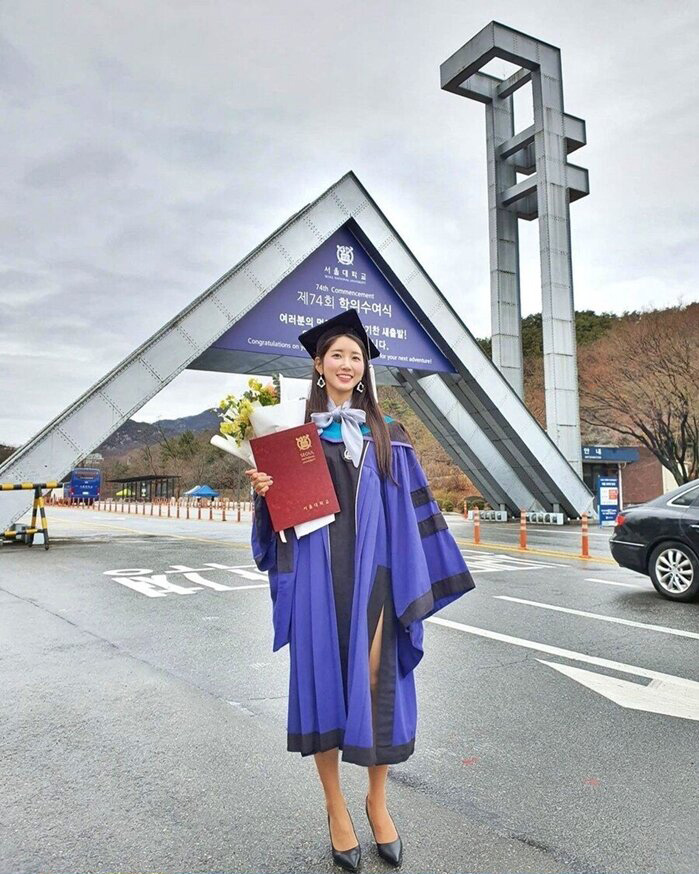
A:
349,322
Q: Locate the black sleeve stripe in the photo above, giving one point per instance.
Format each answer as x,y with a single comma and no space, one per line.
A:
432,524
285,553
454,585
422,496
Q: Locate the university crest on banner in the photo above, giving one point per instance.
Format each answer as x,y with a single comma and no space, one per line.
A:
345,254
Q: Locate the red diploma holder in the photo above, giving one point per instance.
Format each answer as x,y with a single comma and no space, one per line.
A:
303,488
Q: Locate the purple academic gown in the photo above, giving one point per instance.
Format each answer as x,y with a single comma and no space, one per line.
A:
389,547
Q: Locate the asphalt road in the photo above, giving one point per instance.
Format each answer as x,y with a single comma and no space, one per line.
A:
144,713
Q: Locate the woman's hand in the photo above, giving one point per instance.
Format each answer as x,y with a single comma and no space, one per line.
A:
260,481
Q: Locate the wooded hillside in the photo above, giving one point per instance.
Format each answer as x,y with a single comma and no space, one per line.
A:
638,375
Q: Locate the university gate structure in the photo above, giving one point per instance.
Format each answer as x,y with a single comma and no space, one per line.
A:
339,251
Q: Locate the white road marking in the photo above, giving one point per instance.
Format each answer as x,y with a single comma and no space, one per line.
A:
493,568
675,697
128,572
195,577
145,582
238,570
489,563
647,626
184,569
614,583
156,586
559,651
243,709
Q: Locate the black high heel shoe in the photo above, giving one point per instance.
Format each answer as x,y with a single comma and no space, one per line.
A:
392,851
347,859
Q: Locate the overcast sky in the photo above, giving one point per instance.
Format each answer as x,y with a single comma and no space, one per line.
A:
150,145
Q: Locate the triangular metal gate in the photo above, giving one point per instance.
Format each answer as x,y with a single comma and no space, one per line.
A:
464,399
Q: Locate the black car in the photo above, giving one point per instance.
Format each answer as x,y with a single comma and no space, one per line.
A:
661,539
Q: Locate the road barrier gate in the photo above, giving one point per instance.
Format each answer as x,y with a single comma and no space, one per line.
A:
23,533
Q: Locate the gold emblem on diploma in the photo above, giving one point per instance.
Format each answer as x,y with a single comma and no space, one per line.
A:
303,442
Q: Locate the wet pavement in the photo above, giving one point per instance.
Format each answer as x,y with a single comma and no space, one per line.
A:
144,712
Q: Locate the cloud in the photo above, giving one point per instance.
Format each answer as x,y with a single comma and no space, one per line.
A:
16,73
146,160
76,166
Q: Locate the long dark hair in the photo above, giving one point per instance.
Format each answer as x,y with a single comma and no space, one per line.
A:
364,400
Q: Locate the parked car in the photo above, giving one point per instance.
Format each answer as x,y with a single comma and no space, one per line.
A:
661,540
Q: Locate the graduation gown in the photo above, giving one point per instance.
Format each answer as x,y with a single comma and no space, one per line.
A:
389,547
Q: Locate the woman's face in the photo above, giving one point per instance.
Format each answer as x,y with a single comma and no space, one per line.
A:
342,367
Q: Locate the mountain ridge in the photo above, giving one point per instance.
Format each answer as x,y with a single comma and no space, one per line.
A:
134,434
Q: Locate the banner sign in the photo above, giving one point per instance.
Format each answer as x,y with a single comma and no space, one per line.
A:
338,276
607,499
610,453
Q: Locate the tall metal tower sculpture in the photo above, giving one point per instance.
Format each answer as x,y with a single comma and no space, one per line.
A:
539,153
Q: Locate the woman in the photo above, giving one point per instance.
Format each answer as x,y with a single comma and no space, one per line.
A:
350,598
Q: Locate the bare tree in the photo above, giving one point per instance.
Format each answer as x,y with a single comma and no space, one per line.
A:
147,457
642,381
170,455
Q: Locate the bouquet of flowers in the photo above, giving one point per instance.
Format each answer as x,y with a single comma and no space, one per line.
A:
236,426
256,413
